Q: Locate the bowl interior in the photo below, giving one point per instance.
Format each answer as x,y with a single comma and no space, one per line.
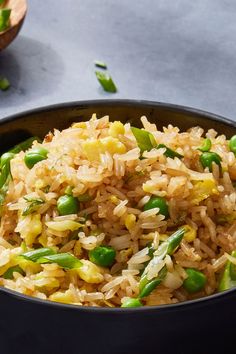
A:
40,121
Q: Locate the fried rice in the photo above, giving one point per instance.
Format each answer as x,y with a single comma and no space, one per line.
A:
102,165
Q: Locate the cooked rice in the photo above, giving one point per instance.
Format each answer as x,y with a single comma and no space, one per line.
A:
96,159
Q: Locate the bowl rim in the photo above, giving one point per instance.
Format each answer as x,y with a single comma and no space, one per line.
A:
123,102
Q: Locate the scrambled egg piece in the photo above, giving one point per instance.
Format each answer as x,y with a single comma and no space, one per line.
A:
94,147
116,128
202,190
32,230
89,272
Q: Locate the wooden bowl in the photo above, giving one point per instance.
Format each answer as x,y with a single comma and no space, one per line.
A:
18,12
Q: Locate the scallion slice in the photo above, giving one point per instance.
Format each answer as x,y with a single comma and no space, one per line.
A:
9,273
37,254
100,64
106,81
64,260
145,140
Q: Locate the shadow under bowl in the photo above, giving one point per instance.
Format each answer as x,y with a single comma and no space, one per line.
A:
32,325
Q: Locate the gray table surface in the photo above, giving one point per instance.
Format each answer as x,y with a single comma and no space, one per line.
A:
177,51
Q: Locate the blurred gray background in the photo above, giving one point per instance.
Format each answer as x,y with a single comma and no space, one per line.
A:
178,51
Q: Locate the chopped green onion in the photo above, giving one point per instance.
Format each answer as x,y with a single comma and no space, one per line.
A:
233,267
145,140
206,146
228,278
169,152
151,285
131,302
4,19
4,83
33,205
195,281
37,254
25,145
5,167
167,247
64,260
106,81
9,273
100,64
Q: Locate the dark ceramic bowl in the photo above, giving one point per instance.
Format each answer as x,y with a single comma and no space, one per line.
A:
33,326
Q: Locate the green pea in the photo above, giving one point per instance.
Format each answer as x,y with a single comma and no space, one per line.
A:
157,202
130,302
195,281
34,156
207,158
67,204
102,255
206,145
232,144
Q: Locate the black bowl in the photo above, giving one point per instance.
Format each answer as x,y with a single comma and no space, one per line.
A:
33,326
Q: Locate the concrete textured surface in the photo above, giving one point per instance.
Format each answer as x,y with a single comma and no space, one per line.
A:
178,51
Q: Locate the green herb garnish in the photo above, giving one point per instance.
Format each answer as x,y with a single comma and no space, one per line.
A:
32,206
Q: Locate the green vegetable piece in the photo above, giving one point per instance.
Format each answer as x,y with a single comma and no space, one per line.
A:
9,273
169,152
157,202
195,281
233,267
145,140
4,19
206,146
37,254
167,247
32,206
5,167
131,302
232,144
100,64
174,240
84,198
34,156
207,158
67,205
102,255
226,282
24,145
152,284
5,158
106,82
2,2
64,260
4,82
